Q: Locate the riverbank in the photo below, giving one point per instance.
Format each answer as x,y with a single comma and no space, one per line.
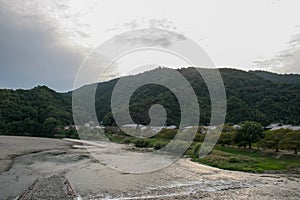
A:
72,172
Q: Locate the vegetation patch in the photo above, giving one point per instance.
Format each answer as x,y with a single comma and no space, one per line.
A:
245,160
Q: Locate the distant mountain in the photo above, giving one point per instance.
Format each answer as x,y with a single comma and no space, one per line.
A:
249,97
278,78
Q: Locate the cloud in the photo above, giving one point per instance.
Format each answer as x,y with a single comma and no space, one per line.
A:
287,60
161,32
129,36
33,50
151,37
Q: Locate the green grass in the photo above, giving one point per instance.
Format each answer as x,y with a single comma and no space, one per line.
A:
246,160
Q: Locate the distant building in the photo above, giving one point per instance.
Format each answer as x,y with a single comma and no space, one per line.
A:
277,126
99,127
132,126
69,127
236,126
171,127
153,128
211,128
295,128
157,128
191,127
273,125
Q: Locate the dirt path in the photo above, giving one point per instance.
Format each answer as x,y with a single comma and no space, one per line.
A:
68,173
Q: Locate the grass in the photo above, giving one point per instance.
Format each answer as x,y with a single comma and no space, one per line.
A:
246,160
221,157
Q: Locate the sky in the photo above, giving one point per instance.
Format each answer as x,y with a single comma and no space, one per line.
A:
45,42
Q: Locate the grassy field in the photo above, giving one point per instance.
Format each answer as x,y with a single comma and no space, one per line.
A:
246,160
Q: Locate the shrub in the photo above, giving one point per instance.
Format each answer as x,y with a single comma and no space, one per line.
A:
166,134
142,143
127,141
196,150
158,145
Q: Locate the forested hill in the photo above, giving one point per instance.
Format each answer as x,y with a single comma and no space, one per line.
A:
278,78
249,97
34,112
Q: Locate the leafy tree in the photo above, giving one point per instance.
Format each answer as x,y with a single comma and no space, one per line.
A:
248,133
273,138
291,141
226,138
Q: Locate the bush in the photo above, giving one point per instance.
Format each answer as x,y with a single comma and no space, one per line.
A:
159,145
126,141
196,150
226,138
142,143
166,134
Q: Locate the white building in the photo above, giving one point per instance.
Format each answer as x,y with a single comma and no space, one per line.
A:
277,126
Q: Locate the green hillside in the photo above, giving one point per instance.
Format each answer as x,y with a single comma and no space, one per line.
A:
279,78
34,112
249,97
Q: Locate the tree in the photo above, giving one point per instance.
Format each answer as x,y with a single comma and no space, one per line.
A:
291,141
49,126
2,126
249,133
239,140
70,132
227,135
226,138
273,138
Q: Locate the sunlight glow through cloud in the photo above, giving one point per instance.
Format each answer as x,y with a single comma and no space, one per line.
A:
258,34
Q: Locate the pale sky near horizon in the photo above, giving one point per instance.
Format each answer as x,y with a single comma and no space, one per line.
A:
44,42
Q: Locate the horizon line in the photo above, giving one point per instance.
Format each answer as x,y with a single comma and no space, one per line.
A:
163,67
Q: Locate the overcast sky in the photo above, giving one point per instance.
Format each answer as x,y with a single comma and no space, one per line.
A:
43,42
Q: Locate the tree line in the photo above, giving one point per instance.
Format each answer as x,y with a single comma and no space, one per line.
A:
36,112
252,133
